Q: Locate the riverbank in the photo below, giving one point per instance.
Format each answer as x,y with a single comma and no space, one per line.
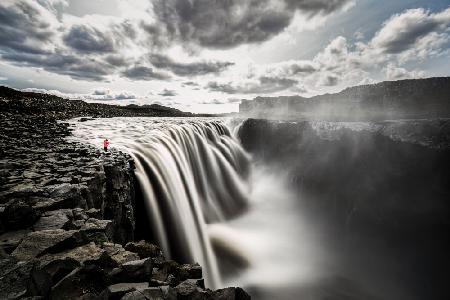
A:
67,211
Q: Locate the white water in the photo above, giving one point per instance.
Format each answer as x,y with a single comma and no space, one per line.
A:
192,173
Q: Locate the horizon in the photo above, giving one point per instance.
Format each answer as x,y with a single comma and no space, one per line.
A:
205,57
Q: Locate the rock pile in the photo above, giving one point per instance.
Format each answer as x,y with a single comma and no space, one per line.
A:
67,216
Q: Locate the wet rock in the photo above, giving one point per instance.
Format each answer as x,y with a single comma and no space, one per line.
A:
82,283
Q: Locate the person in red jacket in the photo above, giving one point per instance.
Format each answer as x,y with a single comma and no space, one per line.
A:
105,144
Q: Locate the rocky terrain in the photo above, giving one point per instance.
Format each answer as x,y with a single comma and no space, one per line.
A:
67,212
413,98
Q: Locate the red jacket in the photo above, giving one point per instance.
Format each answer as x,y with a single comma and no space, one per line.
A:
105,143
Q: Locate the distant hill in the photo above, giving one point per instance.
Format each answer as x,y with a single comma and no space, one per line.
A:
413,98
59,108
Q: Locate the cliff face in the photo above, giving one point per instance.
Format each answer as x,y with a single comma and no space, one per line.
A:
372,177
378,192
418,98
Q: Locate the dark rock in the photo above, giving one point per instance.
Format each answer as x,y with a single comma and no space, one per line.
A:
14,276
10,240
117,291
156,293
40,242
86,281
135,295
52,220
46,274
230,293
118,254
133,271
18,215
189,289
144,249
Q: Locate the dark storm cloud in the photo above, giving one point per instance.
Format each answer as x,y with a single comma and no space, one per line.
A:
188,69
168,93
71,65
264,85
23,28
144,73
88,39
226,24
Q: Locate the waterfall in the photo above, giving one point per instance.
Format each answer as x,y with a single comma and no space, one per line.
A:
191,174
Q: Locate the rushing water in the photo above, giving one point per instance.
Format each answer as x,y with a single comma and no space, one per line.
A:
191,172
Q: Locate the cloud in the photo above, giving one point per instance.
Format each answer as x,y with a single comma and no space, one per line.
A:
264,85
188,69
396,73
26,27
144,73
406,30
88,39
168,93
226,24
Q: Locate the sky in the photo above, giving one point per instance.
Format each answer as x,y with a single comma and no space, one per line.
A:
208,55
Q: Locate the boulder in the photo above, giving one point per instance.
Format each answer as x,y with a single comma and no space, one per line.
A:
14,276
144,249
47,241
56,219
89,254
10,240
188,290
46,274
230,293
135,295
133,271
156,293
82,283
117,291
118,254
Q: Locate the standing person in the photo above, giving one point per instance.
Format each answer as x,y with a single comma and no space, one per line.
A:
105,144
